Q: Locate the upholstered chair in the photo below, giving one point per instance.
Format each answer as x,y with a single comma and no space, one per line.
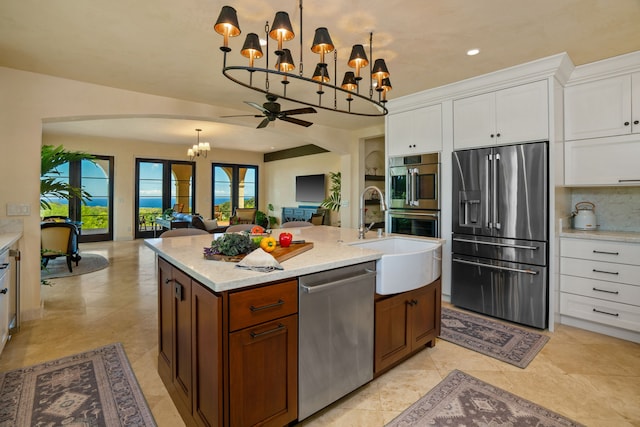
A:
59,239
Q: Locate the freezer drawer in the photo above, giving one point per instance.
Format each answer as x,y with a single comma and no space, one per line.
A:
511,250
510,291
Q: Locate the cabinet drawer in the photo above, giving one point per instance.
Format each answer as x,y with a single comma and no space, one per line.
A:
600,311
598,250
610,291
599,270
248,308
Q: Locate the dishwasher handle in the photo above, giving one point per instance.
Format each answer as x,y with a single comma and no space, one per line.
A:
310,289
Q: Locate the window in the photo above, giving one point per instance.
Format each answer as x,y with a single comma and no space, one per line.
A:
95,218
234,186
162,185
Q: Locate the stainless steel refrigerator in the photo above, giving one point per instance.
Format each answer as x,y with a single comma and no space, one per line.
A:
500,232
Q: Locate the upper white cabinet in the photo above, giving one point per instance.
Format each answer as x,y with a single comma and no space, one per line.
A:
415,131
607,107
516,114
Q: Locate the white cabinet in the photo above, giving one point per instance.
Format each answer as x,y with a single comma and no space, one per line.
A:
516,114
606,107
4,298
600,284
602,161
415,131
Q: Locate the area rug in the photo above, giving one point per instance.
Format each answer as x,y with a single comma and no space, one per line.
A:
88,264
463,400
95,388
508,343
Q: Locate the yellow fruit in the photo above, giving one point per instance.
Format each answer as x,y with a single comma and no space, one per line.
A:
268,244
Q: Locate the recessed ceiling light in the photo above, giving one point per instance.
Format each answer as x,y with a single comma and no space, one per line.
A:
472,52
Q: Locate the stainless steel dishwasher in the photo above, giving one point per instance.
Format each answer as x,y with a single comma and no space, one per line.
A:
336,316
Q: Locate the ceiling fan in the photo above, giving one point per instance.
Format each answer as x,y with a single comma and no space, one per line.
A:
271,111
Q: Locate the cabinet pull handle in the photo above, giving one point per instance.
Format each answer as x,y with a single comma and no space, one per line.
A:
604,312
605,272
605,252
414,301
606,291
629,180
167,281
4,291
264,307
4,265
270,331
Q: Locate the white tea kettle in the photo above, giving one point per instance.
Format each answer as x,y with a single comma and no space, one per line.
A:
584,217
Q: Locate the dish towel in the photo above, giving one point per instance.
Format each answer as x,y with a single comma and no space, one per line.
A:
259,260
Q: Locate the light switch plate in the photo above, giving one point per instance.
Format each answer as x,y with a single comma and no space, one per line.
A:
14,209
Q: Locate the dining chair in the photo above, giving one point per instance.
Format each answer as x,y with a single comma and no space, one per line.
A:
317,219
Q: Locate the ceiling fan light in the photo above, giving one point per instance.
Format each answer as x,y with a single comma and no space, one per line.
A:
227,25
281,30
251,48
358,59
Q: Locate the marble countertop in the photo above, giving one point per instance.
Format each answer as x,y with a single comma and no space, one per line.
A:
8,239
329,251
618,236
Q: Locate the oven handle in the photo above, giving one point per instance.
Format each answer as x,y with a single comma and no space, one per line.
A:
504,245
495,267
412,215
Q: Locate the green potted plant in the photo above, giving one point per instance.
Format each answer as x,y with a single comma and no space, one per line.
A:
273,220
335,199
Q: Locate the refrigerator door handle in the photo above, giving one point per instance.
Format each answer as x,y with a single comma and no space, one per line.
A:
504,245
486,177
495,267
407,188
496,214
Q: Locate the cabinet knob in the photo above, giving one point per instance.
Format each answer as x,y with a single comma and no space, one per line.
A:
498,135
626,123
635,122
4,291
491,135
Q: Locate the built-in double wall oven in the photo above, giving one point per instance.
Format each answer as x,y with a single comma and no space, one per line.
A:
414,195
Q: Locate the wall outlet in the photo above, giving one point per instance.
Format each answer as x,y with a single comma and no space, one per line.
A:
344,203
14,209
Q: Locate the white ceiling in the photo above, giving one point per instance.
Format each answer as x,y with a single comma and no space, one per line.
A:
169,48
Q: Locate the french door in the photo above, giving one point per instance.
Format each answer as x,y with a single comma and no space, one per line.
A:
162,185
95,218
234,186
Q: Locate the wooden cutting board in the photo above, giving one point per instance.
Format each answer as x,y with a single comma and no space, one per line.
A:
283,254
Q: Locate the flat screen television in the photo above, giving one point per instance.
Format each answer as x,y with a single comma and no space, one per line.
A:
310,188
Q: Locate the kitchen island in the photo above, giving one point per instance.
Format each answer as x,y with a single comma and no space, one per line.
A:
228,337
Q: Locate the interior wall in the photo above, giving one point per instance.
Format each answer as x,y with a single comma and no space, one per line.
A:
280,179
617,208
125,153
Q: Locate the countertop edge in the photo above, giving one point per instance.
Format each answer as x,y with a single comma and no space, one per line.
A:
8,239
617,236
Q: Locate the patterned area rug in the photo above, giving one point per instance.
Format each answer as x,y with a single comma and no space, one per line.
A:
95,388
508,343
462,400
89,263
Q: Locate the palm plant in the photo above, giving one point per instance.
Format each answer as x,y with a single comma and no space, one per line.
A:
335,198
50,186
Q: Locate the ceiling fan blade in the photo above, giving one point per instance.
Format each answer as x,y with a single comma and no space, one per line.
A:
264,123
306,110
257,106
243,115
296,121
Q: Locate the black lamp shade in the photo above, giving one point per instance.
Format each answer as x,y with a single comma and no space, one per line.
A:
386,84
227,23
251,48
358,57
349,81
281,28
322,42
321,74
379,71
285,61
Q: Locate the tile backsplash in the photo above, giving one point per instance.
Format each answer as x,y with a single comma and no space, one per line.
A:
617,208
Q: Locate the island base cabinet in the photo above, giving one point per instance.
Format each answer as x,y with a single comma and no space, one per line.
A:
404,323
190,345
263,371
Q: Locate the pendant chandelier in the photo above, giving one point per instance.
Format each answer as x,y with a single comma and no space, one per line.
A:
199,149
305,90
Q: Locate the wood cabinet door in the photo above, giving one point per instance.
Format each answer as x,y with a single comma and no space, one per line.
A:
263,374
392,342
206,318
598,109
182,338
425,318
165,321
